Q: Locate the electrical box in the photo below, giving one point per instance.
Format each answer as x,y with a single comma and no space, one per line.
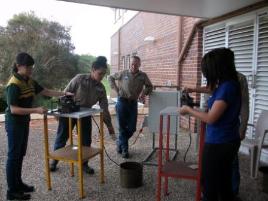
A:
159,100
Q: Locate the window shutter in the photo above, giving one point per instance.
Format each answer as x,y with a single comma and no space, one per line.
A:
261,98
240,41
214,38
248,38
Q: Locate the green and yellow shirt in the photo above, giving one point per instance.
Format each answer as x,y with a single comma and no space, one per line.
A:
20,92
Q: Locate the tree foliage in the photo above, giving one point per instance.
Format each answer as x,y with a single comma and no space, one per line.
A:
85,63
48,42
50,45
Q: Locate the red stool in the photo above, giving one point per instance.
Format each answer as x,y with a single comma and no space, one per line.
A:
176,169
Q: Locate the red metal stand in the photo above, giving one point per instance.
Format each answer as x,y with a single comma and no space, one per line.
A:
177,169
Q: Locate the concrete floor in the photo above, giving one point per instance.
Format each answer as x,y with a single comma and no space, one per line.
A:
65,187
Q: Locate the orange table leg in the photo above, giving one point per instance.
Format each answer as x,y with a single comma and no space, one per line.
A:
71,143
47,153
80,161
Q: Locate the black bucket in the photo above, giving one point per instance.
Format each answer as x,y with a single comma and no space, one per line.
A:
131,174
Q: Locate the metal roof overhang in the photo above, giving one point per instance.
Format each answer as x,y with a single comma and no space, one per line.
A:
195,8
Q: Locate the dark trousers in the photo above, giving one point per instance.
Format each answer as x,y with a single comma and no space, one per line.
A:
217,164
17,135
236,176
63,132
126,111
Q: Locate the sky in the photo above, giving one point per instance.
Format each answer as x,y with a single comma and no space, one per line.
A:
91,26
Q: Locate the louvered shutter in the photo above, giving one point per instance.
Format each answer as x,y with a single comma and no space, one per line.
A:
214,37
249,41
241,40
261,97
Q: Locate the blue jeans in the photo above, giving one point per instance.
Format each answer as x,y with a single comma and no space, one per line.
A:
17,137
126,112
63,132
235,176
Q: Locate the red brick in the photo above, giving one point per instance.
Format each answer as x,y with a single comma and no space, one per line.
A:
160,58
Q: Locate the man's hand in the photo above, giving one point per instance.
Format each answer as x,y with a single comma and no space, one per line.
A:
142,98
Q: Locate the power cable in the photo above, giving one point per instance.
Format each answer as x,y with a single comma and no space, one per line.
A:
190,136
104,146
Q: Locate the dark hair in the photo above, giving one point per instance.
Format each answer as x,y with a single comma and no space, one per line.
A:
23,59
136,57
218,66
100,63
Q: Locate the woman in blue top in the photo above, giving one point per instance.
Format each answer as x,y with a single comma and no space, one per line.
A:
222,132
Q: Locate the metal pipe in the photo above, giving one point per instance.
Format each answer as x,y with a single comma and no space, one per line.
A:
180,34
185,48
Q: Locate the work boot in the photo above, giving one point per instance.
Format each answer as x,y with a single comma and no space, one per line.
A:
53,165
26,188
88,169
17,196
125,154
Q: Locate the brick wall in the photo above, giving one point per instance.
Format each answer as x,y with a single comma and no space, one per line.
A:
191,71
160,58
115,52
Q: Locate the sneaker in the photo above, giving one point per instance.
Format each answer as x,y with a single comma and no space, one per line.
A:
125,154
53,166
17,196
88,169
26,188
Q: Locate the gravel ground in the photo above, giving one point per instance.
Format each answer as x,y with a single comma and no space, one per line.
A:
65,187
